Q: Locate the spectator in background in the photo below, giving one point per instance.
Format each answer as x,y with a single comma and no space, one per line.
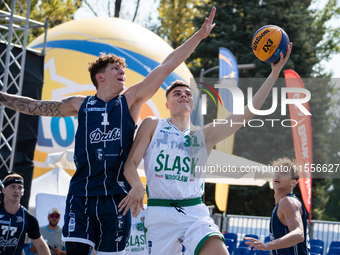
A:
16,220
52,234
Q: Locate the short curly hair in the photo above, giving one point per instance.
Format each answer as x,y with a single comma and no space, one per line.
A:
289,164
99,65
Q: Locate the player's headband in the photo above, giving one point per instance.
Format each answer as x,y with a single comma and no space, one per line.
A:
11,181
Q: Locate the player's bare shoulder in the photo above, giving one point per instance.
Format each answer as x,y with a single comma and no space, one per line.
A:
76,101
68,106
291,203
207,128
145,132
149,124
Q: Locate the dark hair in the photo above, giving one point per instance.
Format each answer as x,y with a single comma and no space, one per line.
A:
290,164
175,84
99,65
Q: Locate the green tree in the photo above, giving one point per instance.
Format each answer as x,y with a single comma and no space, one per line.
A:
176,20
312,40
113,8
55,12
333,204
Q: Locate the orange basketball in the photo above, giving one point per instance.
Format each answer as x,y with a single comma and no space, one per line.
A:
268,42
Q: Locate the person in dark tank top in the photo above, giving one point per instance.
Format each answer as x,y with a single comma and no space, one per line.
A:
16,220
288,224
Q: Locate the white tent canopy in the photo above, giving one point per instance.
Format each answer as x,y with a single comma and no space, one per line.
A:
55,182
48,191
61,159
44,203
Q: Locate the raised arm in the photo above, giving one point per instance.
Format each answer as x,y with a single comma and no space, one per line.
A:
215,133
141,92
136,195
41,246
66,107
289,213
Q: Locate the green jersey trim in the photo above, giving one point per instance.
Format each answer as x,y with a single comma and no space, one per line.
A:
171,202
167,119
200,244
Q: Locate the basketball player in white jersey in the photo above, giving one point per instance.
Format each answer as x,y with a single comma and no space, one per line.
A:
172,150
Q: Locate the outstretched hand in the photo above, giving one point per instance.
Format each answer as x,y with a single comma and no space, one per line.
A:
283,59
133,200
257,244
208,23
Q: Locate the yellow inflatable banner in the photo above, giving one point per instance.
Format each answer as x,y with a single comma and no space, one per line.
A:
69,49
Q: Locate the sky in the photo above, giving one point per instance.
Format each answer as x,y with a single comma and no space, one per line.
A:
147,8
148,14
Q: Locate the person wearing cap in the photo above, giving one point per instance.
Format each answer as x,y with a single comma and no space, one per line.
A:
52,234
16,220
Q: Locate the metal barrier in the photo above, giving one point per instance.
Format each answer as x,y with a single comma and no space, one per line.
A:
327,231
242,225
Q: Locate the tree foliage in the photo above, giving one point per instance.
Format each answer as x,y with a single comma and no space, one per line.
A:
333,204
55,12
111,8
176,20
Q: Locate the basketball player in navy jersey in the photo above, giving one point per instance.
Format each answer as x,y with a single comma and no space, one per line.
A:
16,221
288,223
106,125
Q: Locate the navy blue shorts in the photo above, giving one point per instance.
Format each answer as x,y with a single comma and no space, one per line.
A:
96,221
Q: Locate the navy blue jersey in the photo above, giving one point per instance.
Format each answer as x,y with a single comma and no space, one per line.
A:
102,144
277,230
13,229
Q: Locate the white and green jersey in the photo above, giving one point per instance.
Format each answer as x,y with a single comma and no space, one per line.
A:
170,162
137,242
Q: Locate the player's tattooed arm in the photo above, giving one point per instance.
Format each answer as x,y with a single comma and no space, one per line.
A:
66,107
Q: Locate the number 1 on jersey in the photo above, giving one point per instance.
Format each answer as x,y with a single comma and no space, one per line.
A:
105,122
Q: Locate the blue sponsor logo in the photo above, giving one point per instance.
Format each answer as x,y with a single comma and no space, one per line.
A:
149,246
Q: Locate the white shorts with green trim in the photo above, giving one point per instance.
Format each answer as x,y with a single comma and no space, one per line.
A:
170,227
